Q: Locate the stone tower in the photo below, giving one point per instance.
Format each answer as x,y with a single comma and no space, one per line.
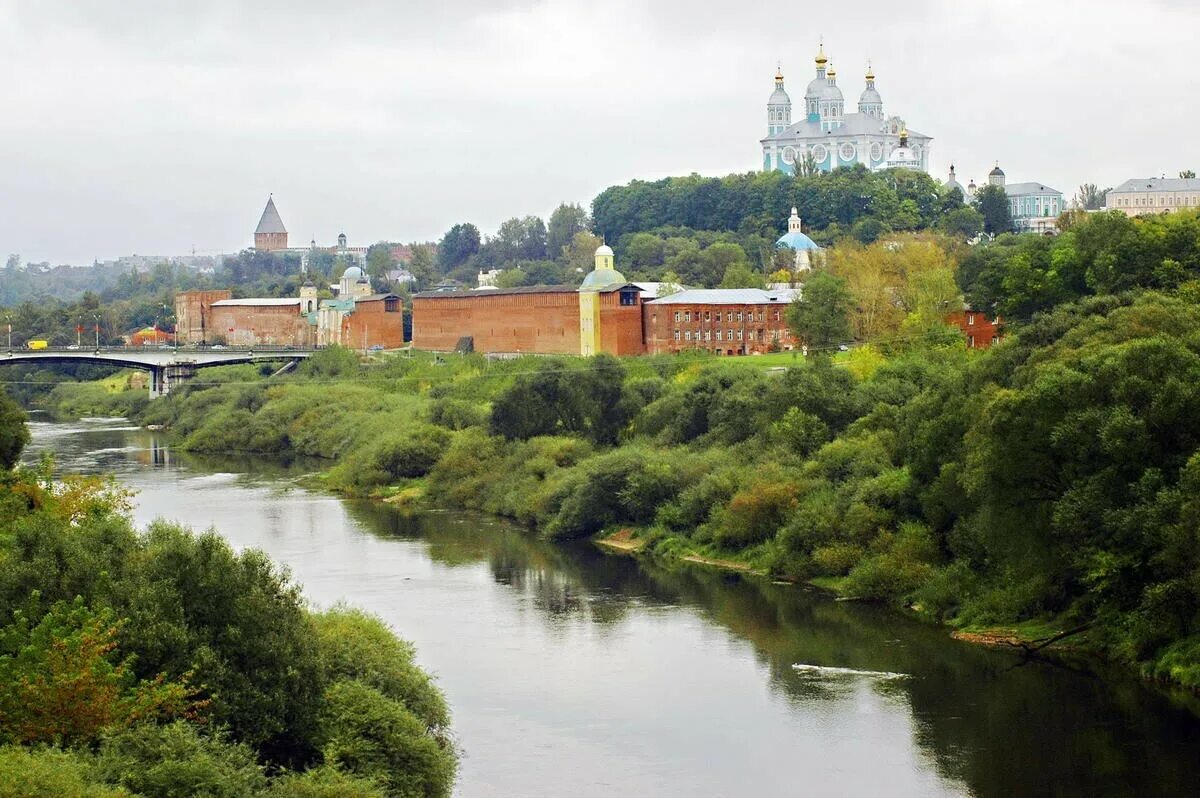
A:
270,235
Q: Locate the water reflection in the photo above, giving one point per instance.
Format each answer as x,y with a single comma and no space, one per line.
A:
574,671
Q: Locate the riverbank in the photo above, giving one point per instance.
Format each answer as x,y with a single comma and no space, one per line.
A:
930,479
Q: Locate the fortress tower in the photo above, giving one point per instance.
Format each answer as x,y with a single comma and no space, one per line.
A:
270,235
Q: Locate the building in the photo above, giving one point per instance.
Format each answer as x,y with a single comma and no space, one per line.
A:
355,318
605,314
830,136
980,330
602,315
730,321
193,314
1154,195
807,251
270,235
1035,207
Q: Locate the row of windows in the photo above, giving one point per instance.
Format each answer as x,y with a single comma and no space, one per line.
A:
726,335
1163,201
686,316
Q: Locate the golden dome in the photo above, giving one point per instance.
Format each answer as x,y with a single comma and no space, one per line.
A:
821,59
870,72
832,73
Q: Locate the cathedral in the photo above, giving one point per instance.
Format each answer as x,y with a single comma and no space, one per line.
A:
827,137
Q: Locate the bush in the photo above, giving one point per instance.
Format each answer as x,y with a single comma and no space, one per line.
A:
756,513
50,773
457,414
175,760
357,645
370,735
323,782
623,486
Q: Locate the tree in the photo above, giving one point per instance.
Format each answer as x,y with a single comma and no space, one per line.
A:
380,260
806,166
421,264
963,222
177,760
1091,198
13,432
992,202
740,275
565,222
820,316
1188,174
580,256
460,242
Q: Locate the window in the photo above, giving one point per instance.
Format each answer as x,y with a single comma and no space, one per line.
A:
729,335
739,335
687,315
707,315
628,298
677,314
970,319
687,335
777,315
707,335
719,336
391,304
730,317
760,317
677,335
750,335
739,315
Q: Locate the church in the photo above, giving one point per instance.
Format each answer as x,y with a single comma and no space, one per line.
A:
826,137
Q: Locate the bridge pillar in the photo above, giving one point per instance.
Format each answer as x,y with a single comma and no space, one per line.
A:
162,378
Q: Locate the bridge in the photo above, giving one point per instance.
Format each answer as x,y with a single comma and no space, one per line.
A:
168,365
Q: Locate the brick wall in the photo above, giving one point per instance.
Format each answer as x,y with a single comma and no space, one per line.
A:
753,327
543,322
193,321
262,325
980,330
269,242
375,322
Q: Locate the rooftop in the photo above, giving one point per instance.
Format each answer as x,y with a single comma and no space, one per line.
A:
270,221
1159,184
729,296
1022,189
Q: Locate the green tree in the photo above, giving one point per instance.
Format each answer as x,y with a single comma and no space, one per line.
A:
176,760
14,434
1188,174
459,243
820,316
380,261
963,222
740,275
370,735
992,203
565,222
1090,197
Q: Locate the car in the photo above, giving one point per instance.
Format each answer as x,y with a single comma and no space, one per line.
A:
217,346
375,348
73,347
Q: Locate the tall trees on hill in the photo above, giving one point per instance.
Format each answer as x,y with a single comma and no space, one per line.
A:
760,202
1103,253
460,242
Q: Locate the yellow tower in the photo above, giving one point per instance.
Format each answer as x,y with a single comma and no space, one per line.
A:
603,276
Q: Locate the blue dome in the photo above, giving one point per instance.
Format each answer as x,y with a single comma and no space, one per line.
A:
796,241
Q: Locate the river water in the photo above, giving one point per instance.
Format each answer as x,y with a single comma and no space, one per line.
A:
571,672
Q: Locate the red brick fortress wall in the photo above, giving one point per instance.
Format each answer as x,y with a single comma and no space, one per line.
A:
538,321
754,328
375,322
193,315
262,325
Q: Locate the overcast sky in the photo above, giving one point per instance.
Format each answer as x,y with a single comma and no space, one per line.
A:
159,126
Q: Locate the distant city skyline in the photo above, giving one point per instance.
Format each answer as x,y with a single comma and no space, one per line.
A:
141,128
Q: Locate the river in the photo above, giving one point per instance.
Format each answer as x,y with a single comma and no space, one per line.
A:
573,672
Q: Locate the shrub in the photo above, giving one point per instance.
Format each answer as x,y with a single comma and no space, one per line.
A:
756,513
323,782
370,735
457,414
176,760
50,773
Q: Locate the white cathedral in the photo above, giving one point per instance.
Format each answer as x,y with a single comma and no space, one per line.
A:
833,137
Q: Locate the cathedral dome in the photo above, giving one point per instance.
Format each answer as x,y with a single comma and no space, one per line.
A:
996,172
353,273
779,97
870,97
604,250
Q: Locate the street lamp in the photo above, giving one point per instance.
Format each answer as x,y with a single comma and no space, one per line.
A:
9,319
97,328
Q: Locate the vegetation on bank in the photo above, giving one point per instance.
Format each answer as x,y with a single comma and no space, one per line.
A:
1051,478
162,663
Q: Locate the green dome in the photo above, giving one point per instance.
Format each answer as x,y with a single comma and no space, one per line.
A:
602,278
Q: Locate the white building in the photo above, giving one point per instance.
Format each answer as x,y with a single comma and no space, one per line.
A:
1154,195
832,137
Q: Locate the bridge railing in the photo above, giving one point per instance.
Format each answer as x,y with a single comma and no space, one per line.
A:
168,347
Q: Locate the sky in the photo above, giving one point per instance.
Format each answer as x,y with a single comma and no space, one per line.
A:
160,127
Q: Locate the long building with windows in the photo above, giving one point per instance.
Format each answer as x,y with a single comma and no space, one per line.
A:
826,137
1154,195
